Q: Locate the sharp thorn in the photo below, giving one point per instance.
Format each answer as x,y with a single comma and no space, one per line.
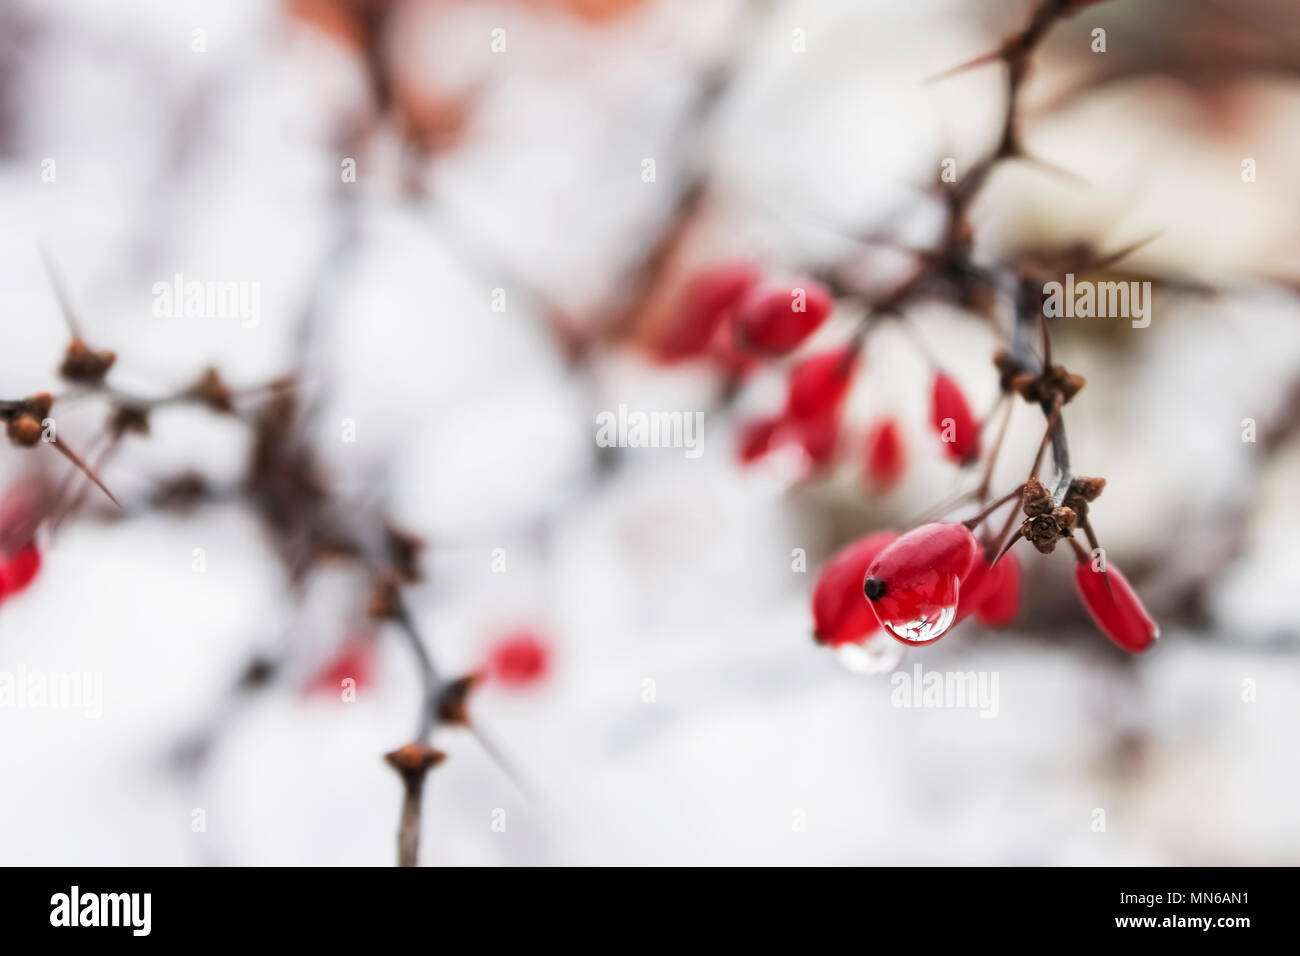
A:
1005,548
60,293
984,59
73,457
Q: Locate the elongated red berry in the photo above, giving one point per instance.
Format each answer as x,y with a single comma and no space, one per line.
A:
915,583
952,419
841,614
774,319
991,593
819,438
757,439
1001,601
1117,611
17,570
726,356
975,588
519,658
885,456
707,301
819,383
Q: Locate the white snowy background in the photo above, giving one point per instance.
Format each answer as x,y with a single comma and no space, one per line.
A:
672,570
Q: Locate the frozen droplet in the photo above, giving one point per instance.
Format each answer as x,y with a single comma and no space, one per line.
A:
876,655
924,629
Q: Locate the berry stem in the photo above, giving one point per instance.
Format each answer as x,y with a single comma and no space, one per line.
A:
1005,402
999,541
973,523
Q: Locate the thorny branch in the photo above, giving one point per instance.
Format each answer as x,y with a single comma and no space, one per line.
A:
284,483
951,272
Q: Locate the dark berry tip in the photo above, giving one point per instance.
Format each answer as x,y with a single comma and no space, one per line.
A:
873,588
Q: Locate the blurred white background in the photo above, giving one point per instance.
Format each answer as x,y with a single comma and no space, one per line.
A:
477,431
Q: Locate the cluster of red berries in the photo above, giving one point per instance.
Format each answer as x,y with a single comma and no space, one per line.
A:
733,318
918,585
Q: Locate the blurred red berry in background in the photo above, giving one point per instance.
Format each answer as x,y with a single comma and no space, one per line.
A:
774,319
991,594
756,439
18,569
354,659
951,417
706,305
819,383
841,614
518,659
885,456
818,437
811,418
1001,601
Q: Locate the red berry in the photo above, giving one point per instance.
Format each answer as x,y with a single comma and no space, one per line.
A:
992,595
355,660
1117,610
841,614
974,590
885,458
915,583
519,658
1001,601
819,383
756,439
819,437
731,360
18,569
952,419
776,318
707,300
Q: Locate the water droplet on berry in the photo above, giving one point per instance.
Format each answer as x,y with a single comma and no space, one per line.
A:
925,629
877,655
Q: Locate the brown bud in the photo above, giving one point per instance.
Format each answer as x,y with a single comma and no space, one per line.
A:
39,404
1089,489
84,365
258,673
384,600
1051,384
1040,531
404,551
181,492
24,429
129,418
1067,384
334,548
1026,386
1036,499
1045,529
414,760
1066,519
454,701
212,391
1008,369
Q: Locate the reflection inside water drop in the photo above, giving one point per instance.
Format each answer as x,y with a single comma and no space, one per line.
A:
923,629
878,655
